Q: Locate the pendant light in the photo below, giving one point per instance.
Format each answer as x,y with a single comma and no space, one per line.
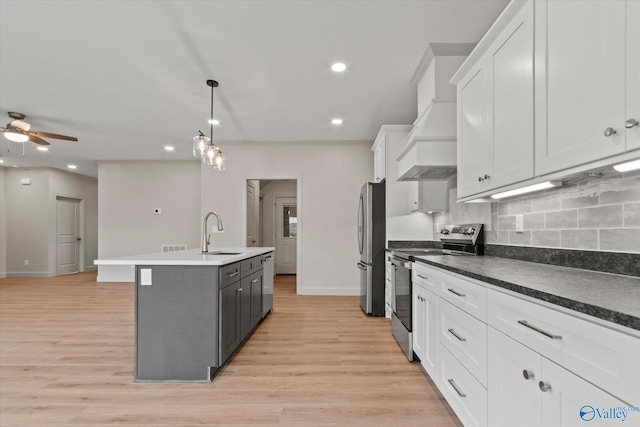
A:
203,146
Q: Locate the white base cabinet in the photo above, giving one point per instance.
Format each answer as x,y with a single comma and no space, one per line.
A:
503,359
528,390
425,330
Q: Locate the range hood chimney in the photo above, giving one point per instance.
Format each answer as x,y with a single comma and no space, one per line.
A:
430,152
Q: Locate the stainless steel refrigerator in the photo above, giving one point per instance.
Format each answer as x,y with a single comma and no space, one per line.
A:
371,245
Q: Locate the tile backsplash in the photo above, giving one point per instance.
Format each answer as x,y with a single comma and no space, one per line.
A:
601,214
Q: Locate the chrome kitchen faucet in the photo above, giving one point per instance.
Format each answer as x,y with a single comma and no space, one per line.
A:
206,238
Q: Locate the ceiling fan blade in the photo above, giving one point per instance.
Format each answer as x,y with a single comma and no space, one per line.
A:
53,135
37,139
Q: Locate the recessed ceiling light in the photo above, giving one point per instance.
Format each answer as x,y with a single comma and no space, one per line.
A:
1,161
169,148
213,122
338,67
72,166
42,149
336,121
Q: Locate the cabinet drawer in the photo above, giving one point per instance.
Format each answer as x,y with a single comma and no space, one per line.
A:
466,338
603,356
427,277
250,266
465,295
466,396
229,274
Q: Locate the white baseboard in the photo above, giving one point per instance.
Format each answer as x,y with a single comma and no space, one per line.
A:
330,291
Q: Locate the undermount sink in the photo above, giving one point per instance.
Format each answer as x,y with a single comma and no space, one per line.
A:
221,253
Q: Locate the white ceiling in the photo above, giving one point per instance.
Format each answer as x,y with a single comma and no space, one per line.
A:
128,77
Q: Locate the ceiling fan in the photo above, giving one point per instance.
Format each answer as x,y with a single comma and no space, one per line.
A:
18,131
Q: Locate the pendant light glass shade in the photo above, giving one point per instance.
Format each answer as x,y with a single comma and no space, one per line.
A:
200,144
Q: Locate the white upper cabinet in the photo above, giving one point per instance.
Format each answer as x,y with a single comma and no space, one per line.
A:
551,90
380,157
495,108
633,75
581,58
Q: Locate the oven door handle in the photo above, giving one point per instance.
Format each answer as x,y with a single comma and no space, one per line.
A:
401,264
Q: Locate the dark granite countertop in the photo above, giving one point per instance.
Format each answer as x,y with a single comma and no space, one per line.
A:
611,297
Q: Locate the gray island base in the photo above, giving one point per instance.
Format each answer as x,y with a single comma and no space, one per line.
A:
193,313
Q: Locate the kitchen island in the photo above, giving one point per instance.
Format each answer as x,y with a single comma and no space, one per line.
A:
194,310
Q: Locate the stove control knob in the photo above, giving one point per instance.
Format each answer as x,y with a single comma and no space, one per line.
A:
444,231
462,230
470,231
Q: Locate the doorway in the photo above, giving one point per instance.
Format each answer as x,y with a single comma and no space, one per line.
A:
68,235
273,219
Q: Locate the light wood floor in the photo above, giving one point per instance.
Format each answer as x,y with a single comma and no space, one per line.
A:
66,359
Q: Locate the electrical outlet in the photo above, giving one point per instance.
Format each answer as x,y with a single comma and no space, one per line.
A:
145,277
519,223
26,262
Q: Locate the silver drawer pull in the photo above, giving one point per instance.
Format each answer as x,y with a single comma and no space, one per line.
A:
254,280
527,374
453,291
233,274
422,277
453,332
455,387
239,289
540,331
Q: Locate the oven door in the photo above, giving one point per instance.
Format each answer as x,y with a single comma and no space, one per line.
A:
401,302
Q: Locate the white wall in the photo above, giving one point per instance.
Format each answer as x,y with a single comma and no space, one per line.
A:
127,225
329,179
30,218
277,188
28,222
3,223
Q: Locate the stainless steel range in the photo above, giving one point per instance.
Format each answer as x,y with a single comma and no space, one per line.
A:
465,239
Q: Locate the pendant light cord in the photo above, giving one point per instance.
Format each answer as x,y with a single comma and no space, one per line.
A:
211,117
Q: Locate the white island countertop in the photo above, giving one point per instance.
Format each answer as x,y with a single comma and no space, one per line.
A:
215,256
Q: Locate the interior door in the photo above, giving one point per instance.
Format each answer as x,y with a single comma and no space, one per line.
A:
286,235
68,235
253,213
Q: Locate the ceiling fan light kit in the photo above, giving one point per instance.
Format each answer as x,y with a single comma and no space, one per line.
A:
203,146
18,130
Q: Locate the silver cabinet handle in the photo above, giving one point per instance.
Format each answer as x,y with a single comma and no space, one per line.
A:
233,274
486,176
239,289
453,332
609,132
631,123
527,374
480,179
422,277
455,387
540,331
254,280
544,386
453,291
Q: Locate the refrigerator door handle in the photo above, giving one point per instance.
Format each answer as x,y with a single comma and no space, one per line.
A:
362,267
